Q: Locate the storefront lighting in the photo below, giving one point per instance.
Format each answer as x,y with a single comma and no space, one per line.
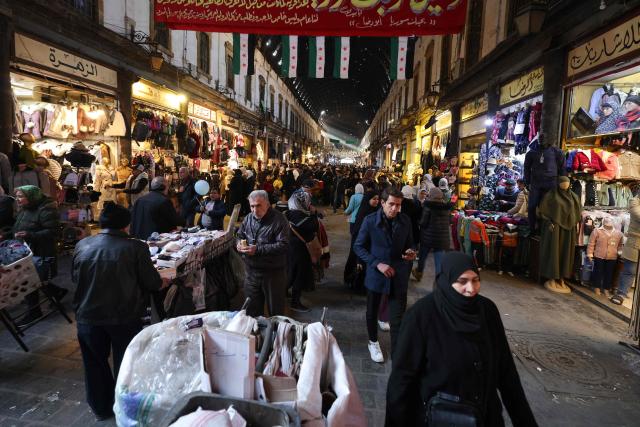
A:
156,60
432,98
530,18
181,98
138,86
488,122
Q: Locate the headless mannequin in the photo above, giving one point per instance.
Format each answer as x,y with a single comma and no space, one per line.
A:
552,284
122,174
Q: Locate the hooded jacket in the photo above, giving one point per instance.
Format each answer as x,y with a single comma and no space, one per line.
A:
435,225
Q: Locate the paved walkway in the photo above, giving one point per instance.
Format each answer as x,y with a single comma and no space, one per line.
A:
573,370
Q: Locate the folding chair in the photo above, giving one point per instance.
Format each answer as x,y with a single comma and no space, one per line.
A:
18,280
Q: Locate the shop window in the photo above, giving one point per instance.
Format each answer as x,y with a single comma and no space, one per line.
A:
247,88
88,8
262,90
474,31
605,105
204,50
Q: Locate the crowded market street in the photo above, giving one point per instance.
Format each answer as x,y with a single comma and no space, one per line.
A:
572,368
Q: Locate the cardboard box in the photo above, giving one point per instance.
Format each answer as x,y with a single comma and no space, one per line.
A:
230,362
272,389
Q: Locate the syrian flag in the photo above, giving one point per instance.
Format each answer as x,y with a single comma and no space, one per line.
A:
290,56
402,50
317,57
341,49
243,50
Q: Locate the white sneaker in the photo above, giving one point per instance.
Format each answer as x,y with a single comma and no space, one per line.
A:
376,352
384,326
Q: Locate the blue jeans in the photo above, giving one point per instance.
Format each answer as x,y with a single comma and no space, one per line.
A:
627,277
424,253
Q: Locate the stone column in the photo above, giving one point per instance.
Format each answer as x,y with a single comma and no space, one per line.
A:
554,72
125,81
6,106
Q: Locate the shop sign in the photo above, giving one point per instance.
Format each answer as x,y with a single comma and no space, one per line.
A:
525,86
47,56
443,121
320,18
201,112
622,40
146,91
475,107
472,127
247,129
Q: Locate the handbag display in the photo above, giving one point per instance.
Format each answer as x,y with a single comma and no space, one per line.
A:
314,246
446,410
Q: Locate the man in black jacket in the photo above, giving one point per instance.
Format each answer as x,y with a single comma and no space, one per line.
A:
154,212
114,275
262,240
187,197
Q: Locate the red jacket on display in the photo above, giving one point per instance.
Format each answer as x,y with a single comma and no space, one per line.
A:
582,162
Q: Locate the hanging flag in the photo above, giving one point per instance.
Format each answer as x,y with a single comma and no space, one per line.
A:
243,50
290,56
402,52
317,57
341,48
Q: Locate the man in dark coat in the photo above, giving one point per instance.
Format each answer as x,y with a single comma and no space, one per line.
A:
154,212
435,230
187,197
385,244
262,240
236,191
114,276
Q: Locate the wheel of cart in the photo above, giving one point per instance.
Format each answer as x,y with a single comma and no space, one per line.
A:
19,279
256,414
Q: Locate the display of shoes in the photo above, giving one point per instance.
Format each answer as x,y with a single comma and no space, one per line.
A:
376,352
384,326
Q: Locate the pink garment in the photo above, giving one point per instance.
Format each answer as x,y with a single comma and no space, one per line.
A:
605,244
534,120
611,163
32,123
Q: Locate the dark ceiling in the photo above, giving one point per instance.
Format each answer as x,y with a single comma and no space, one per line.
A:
349,104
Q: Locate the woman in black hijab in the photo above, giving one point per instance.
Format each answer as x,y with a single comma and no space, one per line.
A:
353,277
453,341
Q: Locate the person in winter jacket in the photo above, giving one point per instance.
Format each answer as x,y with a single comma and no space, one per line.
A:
236,191
213,211
453,341
37,225
520,208
187,197
354,206
411,209
506,196
435,231
154,212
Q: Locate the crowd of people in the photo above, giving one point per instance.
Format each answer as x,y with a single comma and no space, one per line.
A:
283,244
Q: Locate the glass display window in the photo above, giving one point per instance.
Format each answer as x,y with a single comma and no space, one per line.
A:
605,105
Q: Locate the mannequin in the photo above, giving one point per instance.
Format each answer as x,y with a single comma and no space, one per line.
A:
102,183
122,174
541,171
559,213
604,244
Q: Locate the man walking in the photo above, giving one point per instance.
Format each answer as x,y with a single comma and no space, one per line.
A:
385,243
114,275
154,212
262,240
187,197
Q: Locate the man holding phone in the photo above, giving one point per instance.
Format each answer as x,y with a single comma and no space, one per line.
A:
384,243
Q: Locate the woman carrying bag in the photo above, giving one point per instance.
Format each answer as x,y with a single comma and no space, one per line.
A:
452,357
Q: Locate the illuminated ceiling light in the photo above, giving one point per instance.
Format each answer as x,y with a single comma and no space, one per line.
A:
275,52
268,42
488,122
280,62
362,103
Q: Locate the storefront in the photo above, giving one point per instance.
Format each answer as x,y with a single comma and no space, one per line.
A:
67,113
472,133
601,123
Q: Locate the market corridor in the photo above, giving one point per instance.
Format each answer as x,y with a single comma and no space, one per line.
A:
571,366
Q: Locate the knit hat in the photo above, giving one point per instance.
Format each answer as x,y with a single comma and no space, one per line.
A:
435,194
443,184
114,216
633,98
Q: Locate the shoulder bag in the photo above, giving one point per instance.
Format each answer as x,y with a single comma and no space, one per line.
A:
314,246
445,410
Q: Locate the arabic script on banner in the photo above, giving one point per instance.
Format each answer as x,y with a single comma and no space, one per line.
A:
315,17
51,57
527,85
622,40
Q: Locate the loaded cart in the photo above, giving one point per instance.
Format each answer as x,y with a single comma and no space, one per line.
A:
291,373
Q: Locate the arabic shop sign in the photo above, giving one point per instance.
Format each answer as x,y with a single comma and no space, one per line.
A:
622,40
315,17
201,112
474,107
147,91
523,87
35,52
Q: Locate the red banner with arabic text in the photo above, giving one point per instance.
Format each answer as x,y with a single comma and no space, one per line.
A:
315,17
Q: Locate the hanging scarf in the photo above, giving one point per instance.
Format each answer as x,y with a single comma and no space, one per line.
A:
561,207
609,123
462,313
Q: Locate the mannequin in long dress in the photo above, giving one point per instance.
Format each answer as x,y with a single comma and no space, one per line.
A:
122,174
103,183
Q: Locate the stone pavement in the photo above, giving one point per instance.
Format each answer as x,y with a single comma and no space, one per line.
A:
573,370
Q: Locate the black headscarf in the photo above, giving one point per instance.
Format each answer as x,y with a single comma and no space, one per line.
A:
462,313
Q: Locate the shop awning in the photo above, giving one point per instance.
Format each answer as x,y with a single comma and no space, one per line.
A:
327,18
